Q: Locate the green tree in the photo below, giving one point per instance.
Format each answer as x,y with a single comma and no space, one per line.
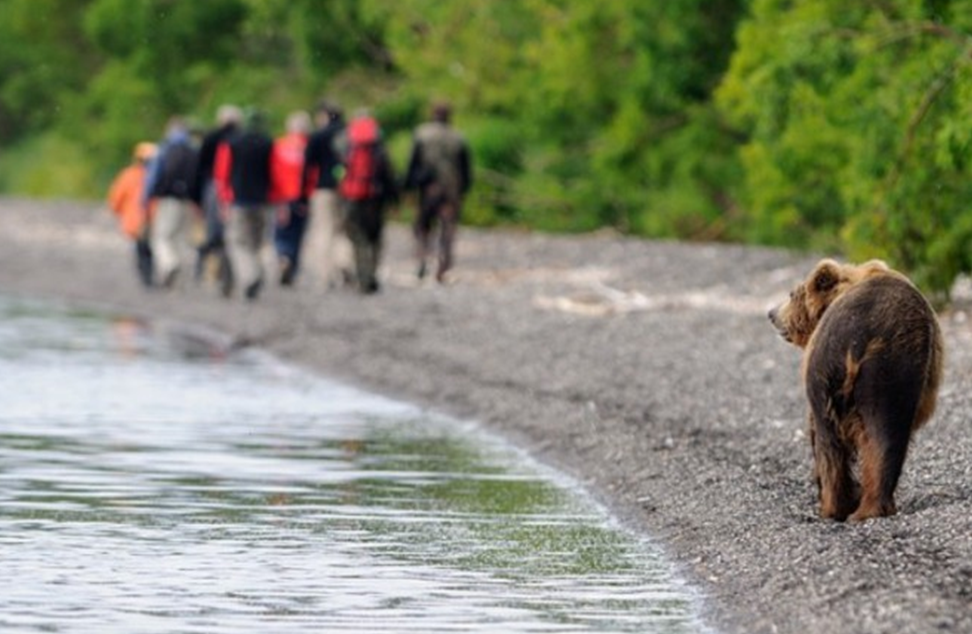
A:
856,125
585,114
159,58
44,58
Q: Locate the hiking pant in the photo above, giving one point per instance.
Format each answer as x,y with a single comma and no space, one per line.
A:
288,235
143,261
327,249
212,244
212,215
365,223
170,237
246,230
436,210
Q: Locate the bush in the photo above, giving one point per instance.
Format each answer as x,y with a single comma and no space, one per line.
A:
51,166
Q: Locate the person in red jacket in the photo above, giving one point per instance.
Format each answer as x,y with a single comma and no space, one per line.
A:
286,178
366,189
125,200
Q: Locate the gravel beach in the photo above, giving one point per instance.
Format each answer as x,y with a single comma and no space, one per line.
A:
646,370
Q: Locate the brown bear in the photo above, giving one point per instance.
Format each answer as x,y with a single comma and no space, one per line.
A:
872,364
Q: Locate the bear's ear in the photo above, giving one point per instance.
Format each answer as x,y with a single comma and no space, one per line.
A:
825,276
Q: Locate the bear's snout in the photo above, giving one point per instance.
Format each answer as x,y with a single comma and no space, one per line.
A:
774,316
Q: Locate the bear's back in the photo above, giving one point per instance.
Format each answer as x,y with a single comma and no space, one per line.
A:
884,306
882,324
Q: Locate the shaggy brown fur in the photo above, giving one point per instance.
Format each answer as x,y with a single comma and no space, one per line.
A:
872,365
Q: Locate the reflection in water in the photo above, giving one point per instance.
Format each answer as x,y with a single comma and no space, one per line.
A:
150,483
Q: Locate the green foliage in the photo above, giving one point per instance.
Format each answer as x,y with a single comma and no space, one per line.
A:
590,104
499,151
806,123
856,126
29,167
44,58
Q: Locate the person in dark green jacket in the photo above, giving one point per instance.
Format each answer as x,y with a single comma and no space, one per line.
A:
440,168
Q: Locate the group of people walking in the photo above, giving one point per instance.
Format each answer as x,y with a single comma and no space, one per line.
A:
321,191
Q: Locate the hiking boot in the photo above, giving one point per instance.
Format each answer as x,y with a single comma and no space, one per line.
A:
253,290
287,271
371,287
224,274
169,281
197,271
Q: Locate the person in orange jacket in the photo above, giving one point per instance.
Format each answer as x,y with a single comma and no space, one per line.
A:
286,191
125,199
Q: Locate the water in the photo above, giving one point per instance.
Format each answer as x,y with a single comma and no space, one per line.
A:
151,483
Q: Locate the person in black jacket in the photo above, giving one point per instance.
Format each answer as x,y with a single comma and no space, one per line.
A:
169,186
440,169
228,119
243,180
326,245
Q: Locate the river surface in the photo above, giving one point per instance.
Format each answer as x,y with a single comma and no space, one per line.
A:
150,481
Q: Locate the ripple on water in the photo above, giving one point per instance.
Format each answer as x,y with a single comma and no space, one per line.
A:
150,483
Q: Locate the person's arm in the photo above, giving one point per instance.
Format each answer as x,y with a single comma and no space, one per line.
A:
117,192
389,187
222,168
465,168
152,177
412,176
312,166
278,173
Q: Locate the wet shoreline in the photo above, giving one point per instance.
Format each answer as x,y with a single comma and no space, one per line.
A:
646,370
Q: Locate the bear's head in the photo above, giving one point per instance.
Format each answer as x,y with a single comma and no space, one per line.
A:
797,317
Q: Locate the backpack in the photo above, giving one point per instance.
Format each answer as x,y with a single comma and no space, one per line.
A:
177,176
441,153
360,179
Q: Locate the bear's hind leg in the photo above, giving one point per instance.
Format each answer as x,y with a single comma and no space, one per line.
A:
882,459
888,402
839,494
